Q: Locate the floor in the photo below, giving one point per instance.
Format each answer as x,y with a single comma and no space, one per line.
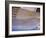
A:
23,25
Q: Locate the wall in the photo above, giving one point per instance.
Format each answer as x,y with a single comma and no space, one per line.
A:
32,9
2,20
